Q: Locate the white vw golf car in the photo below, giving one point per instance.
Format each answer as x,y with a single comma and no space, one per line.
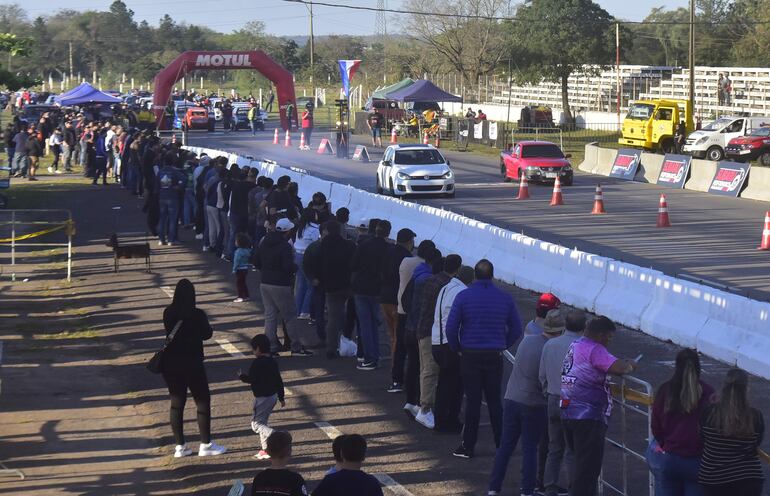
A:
414,170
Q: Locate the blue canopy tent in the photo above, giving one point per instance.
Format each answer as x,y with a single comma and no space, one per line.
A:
423,91
84,94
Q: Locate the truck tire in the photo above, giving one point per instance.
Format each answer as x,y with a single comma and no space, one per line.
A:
715,153
764,159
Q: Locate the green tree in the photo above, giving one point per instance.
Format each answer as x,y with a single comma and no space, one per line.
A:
553,39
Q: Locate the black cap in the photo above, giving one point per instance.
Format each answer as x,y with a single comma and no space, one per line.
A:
405,235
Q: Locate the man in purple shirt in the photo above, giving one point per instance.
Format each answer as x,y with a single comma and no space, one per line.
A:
586,401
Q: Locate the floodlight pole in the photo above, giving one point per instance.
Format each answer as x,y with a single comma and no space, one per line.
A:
692,56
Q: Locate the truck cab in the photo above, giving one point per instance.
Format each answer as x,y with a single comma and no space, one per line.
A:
711,141
651,124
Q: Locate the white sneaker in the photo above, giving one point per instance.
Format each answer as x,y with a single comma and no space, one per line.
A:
411,410
50,170
262,455
238,300
57,171
426,419
161,243
206,248
211,449
182,450
304,316
199,236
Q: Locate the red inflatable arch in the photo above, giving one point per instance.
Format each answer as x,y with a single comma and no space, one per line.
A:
256,60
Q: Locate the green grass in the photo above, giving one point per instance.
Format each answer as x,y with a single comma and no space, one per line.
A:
84,333
26,194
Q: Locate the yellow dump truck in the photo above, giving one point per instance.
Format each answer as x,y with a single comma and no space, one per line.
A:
651,124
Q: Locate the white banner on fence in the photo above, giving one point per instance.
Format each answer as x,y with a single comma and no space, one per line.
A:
478,130
493,131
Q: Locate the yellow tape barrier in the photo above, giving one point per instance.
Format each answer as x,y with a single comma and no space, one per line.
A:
68,226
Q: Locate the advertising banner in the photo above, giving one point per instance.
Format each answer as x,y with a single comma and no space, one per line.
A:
478,130
626,163
673,172
729,178
493,131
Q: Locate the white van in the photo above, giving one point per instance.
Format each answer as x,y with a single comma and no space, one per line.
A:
710,141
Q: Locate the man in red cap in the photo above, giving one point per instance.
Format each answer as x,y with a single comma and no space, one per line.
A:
546,302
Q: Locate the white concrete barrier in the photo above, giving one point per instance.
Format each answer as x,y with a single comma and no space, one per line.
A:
542,266
724,326
581,278
701,174
678,311
340,196
627,292
449,233
589,159
649,168
754,352
506,253
474,242
310,185
430,222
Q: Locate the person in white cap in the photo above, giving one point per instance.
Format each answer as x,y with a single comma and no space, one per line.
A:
275,261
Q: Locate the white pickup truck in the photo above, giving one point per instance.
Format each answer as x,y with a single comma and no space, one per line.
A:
710,141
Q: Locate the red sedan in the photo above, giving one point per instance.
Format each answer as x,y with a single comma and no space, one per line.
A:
540,161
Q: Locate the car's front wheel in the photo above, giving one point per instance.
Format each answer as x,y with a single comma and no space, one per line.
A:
764,159
504,172
715,153
379,186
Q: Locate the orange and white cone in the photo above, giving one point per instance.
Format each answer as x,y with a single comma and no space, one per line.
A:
765,234
275,137
556,197
598,201
393,136
425,139
287,139
663,220
523,188
437,143
301,141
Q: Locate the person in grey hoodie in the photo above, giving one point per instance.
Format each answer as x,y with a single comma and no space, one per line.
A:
551,364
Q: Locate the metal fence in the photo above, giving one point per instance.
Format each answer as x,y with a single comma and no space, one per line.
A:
42,226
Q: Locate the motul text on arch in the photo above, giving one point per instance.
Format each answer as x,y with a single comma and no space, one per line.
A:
225,59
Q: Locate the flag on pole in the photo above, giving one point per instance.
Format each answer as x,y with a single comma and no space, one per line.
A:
347,69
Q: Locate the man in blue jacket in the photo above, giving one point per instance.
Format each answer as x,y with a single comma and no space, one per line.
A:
482,324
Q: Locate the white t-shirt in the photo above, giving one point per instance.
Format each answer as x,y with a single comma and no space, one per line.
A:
444,302
310,234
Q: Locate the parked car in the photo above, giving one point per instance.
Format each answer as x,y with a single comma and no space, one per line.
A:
755,146
414,170
539,161
198,118
241,118
711,141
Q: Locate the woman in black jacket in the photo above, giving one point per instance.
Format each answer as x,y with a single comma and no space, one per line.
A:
183,367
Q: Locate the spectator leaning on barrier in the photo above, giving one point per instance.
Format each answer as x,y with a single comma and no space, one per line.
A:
551,363
275,261
389,303
482,324
585,401
366,279
732,432
429,368
674,452
405,272
334,278
524,414
449,390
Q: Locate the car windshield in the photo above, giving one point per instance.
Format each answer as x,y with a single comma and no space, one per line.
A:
541,151
199,113
640,111
717,124
418,157
761,131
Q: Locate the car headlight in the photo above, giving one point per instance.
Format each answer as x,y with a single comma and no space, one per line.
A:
532,168
702,140
447,174
402,175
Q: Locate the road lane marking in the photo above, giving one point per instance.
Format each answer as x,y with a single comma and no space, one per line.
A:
167,289
230,348
394,487
328,429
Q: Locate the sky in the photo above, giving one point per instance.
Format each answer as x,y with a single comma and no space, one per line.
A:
284,19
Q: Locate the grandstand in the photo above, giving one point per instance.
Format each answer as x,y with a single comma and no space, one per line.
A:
751,90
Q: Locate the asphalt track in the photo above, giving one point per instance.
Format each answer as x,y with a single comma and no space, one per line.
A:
713,238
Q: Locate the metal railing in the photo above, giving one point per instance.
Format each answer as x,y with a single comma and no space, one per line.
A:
17,226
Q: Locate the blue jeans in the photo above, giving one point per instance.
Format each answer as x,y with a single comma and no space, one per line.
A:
10,150
368,312
674,475
303,289
169,213
189,206
529,424
19,163
253,126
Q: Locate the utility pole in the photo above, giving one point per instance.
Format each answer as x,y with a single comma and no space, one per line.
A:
70,59
619,89
692,55
312,54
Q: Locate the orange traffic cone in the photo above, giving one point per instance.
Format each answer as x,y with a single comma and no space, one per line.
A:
275,137
425,138
301,141
598,201
287,139
765,234
556,198
437,143
663,220
523,188
393,136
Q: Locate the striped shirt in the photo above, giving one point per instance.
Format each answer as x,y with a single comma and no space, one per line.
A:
730,459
